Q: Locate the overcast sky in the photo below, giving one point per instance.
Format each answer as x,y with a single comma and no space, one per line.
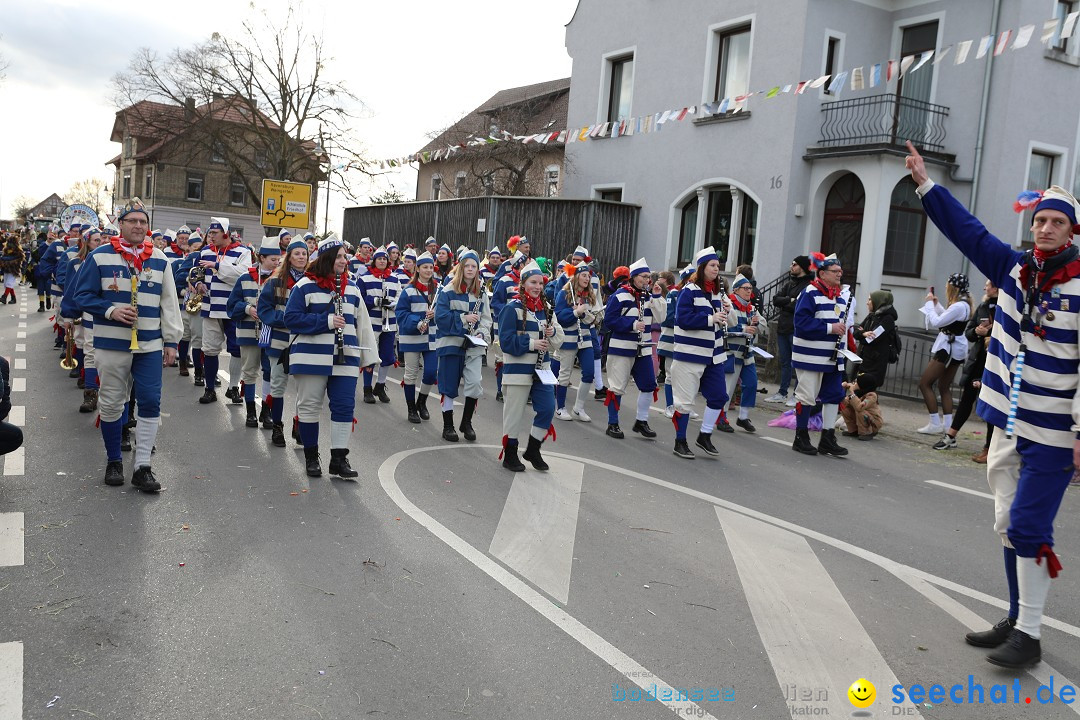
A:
418,65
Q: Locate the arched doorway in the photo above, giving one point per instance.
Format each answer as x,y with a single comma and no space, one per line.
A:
841,229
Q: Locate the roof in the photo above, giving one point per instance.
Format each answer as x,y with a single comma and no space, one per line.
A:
533,108
53,199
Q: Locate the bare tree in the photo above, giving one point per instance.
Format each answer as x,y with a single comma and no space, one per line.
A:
91,192
262,99
23,205
387,197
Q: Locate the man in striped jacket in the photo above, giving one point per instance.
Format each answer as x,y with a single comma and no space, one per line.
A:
136,329
820,329
1029,389
243,307
225,261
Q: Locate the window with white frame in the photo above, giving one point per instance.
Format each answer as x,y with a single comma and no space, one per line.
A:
905,233
217,152
833,58
551,181
436,187
620,87
237,191
459,184
127,185
148,188
195,187
732,72
1062,10
129,145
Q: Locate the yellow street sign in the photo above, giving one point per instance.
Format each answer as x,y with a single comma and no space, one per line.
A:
286,204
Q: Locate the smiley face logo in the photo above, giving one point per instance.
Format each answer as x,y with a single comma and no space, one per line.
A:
862,693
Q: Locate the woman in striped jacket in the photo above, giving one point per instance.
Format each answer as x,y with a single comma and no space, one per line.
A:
84,330
416,334
273,299
333,341
243,308
380,292
665,349
578,308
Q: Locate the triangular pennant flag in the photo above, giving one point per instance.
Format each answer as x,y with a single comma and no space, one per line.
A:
857,80
875,75
682,114
923,59
571,136
1049,30
631,126
905,64
740,104
1003,42
724,105
425,156
787,89
801,87
1023,37
773,93
984,47
544,139
962,50
1069,25
820,81
664,118
584,133
837,83
693,109
890,71
942,54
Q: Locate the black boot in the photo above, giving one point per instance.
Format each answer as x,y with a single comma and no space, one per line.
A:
114,473
199,381
802,443
369,396
499,398
532,454
41,306
311,458
125,440
380,392
704,441
252,420
234,395
277,437
448,432
614,431
466,427
510,459
209,396
421,406
1019,652
264,416
143,478
184,365
683,450
339,463
48,302
994,636
90,401
642,426
828,445
414,417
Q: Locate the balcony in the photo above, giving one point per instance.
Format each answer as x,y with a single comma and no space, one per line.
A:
879,124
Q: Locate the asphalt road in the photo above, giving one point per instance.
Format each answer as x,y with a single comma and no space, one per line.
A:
439,585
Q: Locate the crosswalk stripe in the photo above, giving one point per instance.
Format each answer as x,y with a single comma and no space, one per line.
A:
21,334
11,539
11,680
17,416
15,461
18,384
538,525
798,610
957,488
20,363
20,347
22,325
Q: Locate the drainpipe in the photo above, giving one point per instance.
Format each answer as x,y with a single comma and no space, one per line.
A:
980,134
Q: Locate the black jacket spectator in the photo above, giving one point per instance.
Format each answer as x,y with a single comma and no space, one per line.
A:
876,355
784,301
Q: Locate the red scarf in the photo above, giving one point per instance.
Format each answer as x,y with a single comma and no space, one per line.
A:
738,303
327,283
711,287
1042,256
224,250
534,304
381,274
1045,280
176,249
422,287
128,253
831,293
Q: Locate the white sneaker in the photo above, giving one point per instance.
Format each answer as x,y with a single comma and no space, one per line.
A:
669,411
791,402
579,413
564,414
694,414
932,429
776,398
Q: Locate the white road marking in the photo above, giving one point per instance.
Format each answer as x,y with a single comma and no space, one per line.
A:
20,335
11,680
18,384
20,363
17,415
20,347
11,539
799,613
778,441
538,525
22,324
620,661
15,461
957,488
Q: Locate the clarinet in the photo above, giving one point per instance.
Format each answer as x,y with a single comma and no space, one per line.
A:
842,337
339,334
541,357
430,297
751,340
475,310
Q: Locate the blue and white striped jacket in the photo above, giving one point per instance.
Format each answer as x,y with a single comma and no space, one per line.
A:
697,338
68,309
621,314
309,315
814,347
500,295
1048,411
272,312
666,346
233,263
575,334
450,330
245,294
104,282
737,338
519,329
412,307
380,296
49,266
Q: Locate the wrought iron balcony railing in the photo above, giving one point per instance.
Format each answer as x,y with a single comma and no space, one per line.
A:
888,120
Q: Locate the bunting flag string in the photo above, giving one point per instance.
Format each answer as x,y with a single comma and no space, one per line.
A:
856,79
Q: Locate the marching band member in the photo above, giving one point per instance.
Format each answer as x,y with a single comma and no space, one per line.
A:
700,352
462,312
136,327
415,313
272,302
394,253
404,272
665,348
527,333
285,237
193,321
379,291
172,251
11,263
243,308
183,237
490,267
81,325
334,339
312,243
629,314
820,329
516,244
359,263
577,307
504,290
444,263
741,365
224,261
431,245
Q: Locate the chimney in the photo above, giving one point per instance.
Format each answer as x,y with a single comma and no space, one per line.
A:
189,108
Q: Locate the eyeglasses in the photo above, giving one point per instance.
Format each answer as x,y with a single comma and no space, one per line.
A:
135,221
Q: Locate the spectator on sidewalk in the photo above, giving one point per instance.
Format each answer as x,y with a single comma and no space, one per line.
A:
11,437
977,332
784,301
860,409
876,352
949,350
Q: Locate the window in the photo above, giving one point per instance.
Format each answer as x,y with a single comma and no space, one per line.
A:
436,187
551,181
611,195
1040,176
217,152
129,145
194,187
748,231
621,90
1062,10
148,192
732,63
127,185
687,232
459,184
262,161
237,191
832,60
718,222
488,184
905,232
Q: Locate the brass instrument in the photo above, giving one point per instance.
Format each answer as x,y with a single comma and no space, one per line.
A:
68,362
134,306
339,339
196,275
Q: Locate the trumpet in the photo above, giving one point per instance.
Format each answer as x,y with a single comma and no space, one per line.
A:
68,362
196,275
